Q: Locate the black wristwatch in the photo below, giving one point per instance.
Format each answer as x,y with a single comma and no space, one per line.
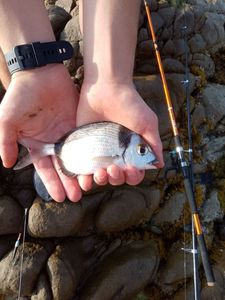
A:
38,54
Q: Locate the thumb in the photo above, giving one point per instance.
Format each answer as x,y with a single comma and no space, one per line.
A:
8,144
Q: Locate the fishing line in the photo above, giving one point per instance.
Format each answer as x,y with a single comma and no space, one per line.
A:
186,83
22,255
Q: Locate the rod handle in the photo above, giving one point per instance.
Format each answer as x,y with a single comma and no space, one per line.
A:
205,260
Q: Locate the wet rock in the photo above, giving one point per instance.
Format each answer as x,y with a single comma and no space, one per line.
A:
213,97
11,215
58,18
126,208
211,210
51,219
43,289
124,273
172,211
35,256
169,48
180,46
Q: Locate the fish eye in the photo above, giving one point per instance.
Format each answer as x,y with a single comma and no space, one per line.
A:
142,149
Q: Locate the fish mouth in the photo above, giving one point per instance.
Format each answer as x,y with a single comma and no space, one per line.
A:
151,164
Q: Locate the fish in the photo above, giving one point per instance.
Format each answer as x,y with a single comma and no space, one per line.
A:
87,148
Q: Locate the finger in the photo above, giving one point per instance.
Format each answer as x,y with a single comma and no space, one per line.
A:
101,177
116,175
50,179
70,184
8,144
133,175
85,182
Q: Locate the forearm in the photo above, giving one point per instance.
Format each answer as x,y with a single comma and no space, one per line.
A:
110,32
22,22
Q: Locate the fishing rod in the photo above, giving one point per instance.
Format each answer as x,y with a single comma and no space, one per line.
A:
182,161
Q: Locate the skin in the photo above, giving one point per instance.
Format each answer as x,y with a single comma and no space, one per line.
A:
43,104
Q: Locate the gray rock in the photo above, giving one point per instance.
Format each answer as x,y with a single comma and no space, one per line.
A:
180,47
172,210
124,273
182,19
152,4
213,97
205,62
157,21
72,34
64,268
67,5
11,215
143,35
145,49
51,219
213,30
167,14
214,149
173,66
216,292
35,256
43,289
186,293
58,18
131,205
169,48
211,210
197,44
24,196
198,116
171,275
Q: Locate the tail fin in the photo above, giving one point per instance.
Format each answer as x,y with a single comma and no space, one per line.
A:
36,150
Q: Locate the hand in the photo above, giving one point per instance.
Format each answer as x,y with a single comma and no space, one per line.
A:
122,104
41,104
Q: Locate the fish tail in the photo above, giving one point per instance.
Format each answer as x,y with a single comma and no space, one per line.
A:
36,150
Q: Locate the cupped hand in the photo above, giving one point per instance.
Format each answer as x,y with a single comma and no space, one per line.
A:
120,103
40,104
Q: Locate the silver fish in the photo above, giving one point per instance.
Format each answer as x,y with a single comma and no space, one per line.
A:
92,146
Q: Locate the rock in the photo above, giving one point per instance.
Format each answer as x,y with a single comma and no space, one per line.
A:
143,35
180,47
43,289
205,62
145,49
183,18
132,205
6,244
213,97
58,18
172,210
67,5
167,14
196,43
157,21
11,215
72,34
23,177
211,210
24,196
198,116
171,275
124,273
214,149
186,292
52,219
64,268
152,4
216,292
173,66
35,256
169,48
213,30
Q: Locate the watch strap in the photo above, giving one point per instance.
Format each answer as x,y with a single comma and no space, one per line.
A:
29,56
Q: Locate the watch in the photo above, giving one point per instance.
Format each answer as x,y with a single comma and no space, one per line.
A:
37,54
